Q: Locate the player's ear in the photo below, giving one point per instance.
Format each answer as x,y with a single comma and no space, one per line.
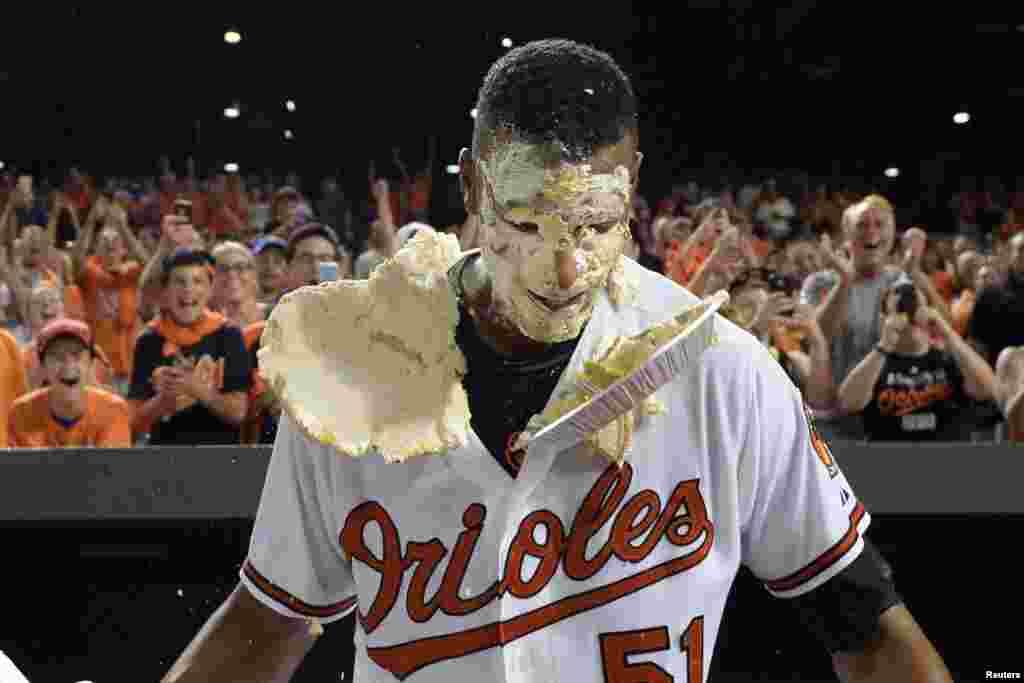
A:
468,184
634,173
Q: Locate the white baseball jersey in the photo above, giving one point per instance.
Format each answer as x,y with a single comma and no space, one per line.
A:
575,570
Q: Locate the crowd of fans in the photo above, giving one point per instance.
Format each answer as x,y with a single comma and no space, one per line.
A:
132,314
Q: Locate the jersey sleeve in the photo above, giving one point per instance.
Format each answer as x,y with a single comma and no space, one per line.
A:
296,565
805,524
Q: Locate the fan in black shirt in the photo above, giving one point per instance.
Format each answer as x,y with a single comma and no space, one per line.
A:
906,389
191,372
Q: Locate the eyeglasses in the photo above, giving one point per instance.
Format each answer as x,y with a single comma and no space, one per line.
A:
237,268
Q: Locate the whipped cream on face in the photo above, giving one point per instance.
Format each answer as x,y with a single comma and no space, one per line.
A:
372,365
535,206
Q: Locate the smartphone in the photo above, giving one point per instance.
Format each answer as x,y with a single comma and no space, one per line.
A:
328,271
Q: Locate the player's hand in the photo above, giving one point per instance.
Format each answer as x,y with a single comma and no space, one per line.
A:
840,263
893,327
380,189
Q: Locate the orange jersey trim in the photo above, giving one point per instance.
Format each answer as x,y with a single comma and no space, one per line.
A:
825,560
283,597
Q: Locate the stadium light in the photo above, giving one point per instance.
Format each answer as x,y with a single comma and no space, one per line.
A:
961,118
231,168
289,105
506,43
232,37
453,169
892,172
288,135
1,165
472,113
231,112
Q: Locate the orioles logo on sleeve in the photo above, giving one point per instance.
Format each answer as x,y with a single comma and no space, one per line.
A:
821,446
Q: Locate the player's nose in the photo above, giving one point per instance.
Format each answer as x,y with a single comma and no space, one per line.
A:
565,266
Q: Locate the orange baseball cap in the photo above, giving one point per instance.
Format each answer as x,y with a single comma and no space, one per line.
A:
67,327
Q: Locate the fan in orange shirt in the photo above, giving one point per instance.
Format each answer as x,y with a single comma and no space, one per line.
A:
45,305
109,281
12,380
68,413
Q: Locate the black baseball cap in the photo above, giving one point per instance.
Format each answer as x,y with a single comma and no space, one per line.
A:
185,256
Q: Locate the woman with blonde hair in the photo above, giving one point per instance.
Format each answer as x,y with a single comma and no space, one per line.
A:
235,285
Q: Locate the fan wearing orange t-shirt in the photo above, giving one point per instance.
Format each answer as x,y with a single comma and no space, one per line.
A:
68,412
12,380
109,282
44,307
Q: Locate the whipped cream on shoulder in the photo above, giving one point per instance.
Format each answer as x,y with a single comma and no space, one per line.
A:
373,365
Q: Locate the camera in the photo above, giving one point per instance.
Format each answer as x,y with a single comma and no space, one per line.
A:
777,282
906,297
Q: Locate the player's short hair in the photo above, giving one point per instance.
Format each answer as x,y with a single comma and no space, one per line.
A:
557,91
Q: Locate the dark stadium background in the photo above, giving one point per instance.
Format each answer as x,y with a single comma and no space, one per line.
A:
725,87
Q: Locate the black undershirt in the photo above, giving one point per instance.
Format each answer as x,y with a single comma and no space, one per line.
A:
504,393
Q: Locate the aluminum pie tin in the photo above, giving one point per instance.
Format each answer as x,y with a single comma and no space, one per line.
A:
664,365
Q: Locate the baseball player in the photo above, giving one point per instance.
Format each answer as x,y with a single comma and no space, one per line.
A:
495,562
